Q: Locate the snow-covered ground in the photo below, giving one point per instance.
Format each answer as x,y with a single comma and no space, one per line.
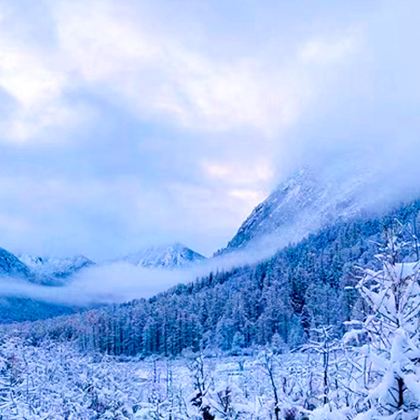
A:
55,381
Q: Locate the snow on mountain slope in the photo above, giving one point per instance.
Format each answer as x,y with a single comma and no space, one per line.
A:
11,266
304,203
58,268
166,256
22,276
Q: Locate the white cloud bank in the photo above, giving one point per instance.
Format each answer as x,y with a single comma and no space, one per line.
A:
115,282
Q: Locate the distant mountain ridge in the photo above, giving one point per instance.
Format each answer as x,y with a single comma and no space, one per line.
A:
57,272
40,270
20,308
169,256
55,268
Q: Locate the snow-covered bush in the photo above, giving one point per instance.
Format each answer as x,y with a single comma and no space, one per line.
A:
387,365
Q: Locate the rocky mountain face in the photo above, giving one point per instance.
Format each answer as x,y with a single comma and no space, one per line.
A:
166,256
301,205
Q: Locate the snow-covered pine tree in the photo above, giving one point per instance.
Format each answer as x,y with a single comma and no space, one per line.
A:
391,355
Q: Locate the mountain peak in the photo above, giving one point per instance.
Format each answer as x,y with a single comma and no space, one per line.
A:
52,267
169,256
11,266
302,204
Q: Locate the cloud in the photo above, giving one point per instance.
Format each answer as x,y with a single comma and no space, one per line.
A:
327,51
154,74
110,49
36,92
260,171
36,85
125,123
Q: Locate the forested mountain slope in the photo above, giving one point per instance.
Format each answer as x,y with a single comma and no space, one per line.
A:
19,309
301,287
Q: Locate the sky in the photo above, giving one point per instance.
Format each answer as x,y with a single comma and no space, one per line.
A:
129,123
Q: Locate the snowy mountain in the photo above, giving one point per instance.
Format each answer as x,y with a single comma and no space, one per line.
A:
11,266
20,308
57,268
41,270
165,256
301,205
